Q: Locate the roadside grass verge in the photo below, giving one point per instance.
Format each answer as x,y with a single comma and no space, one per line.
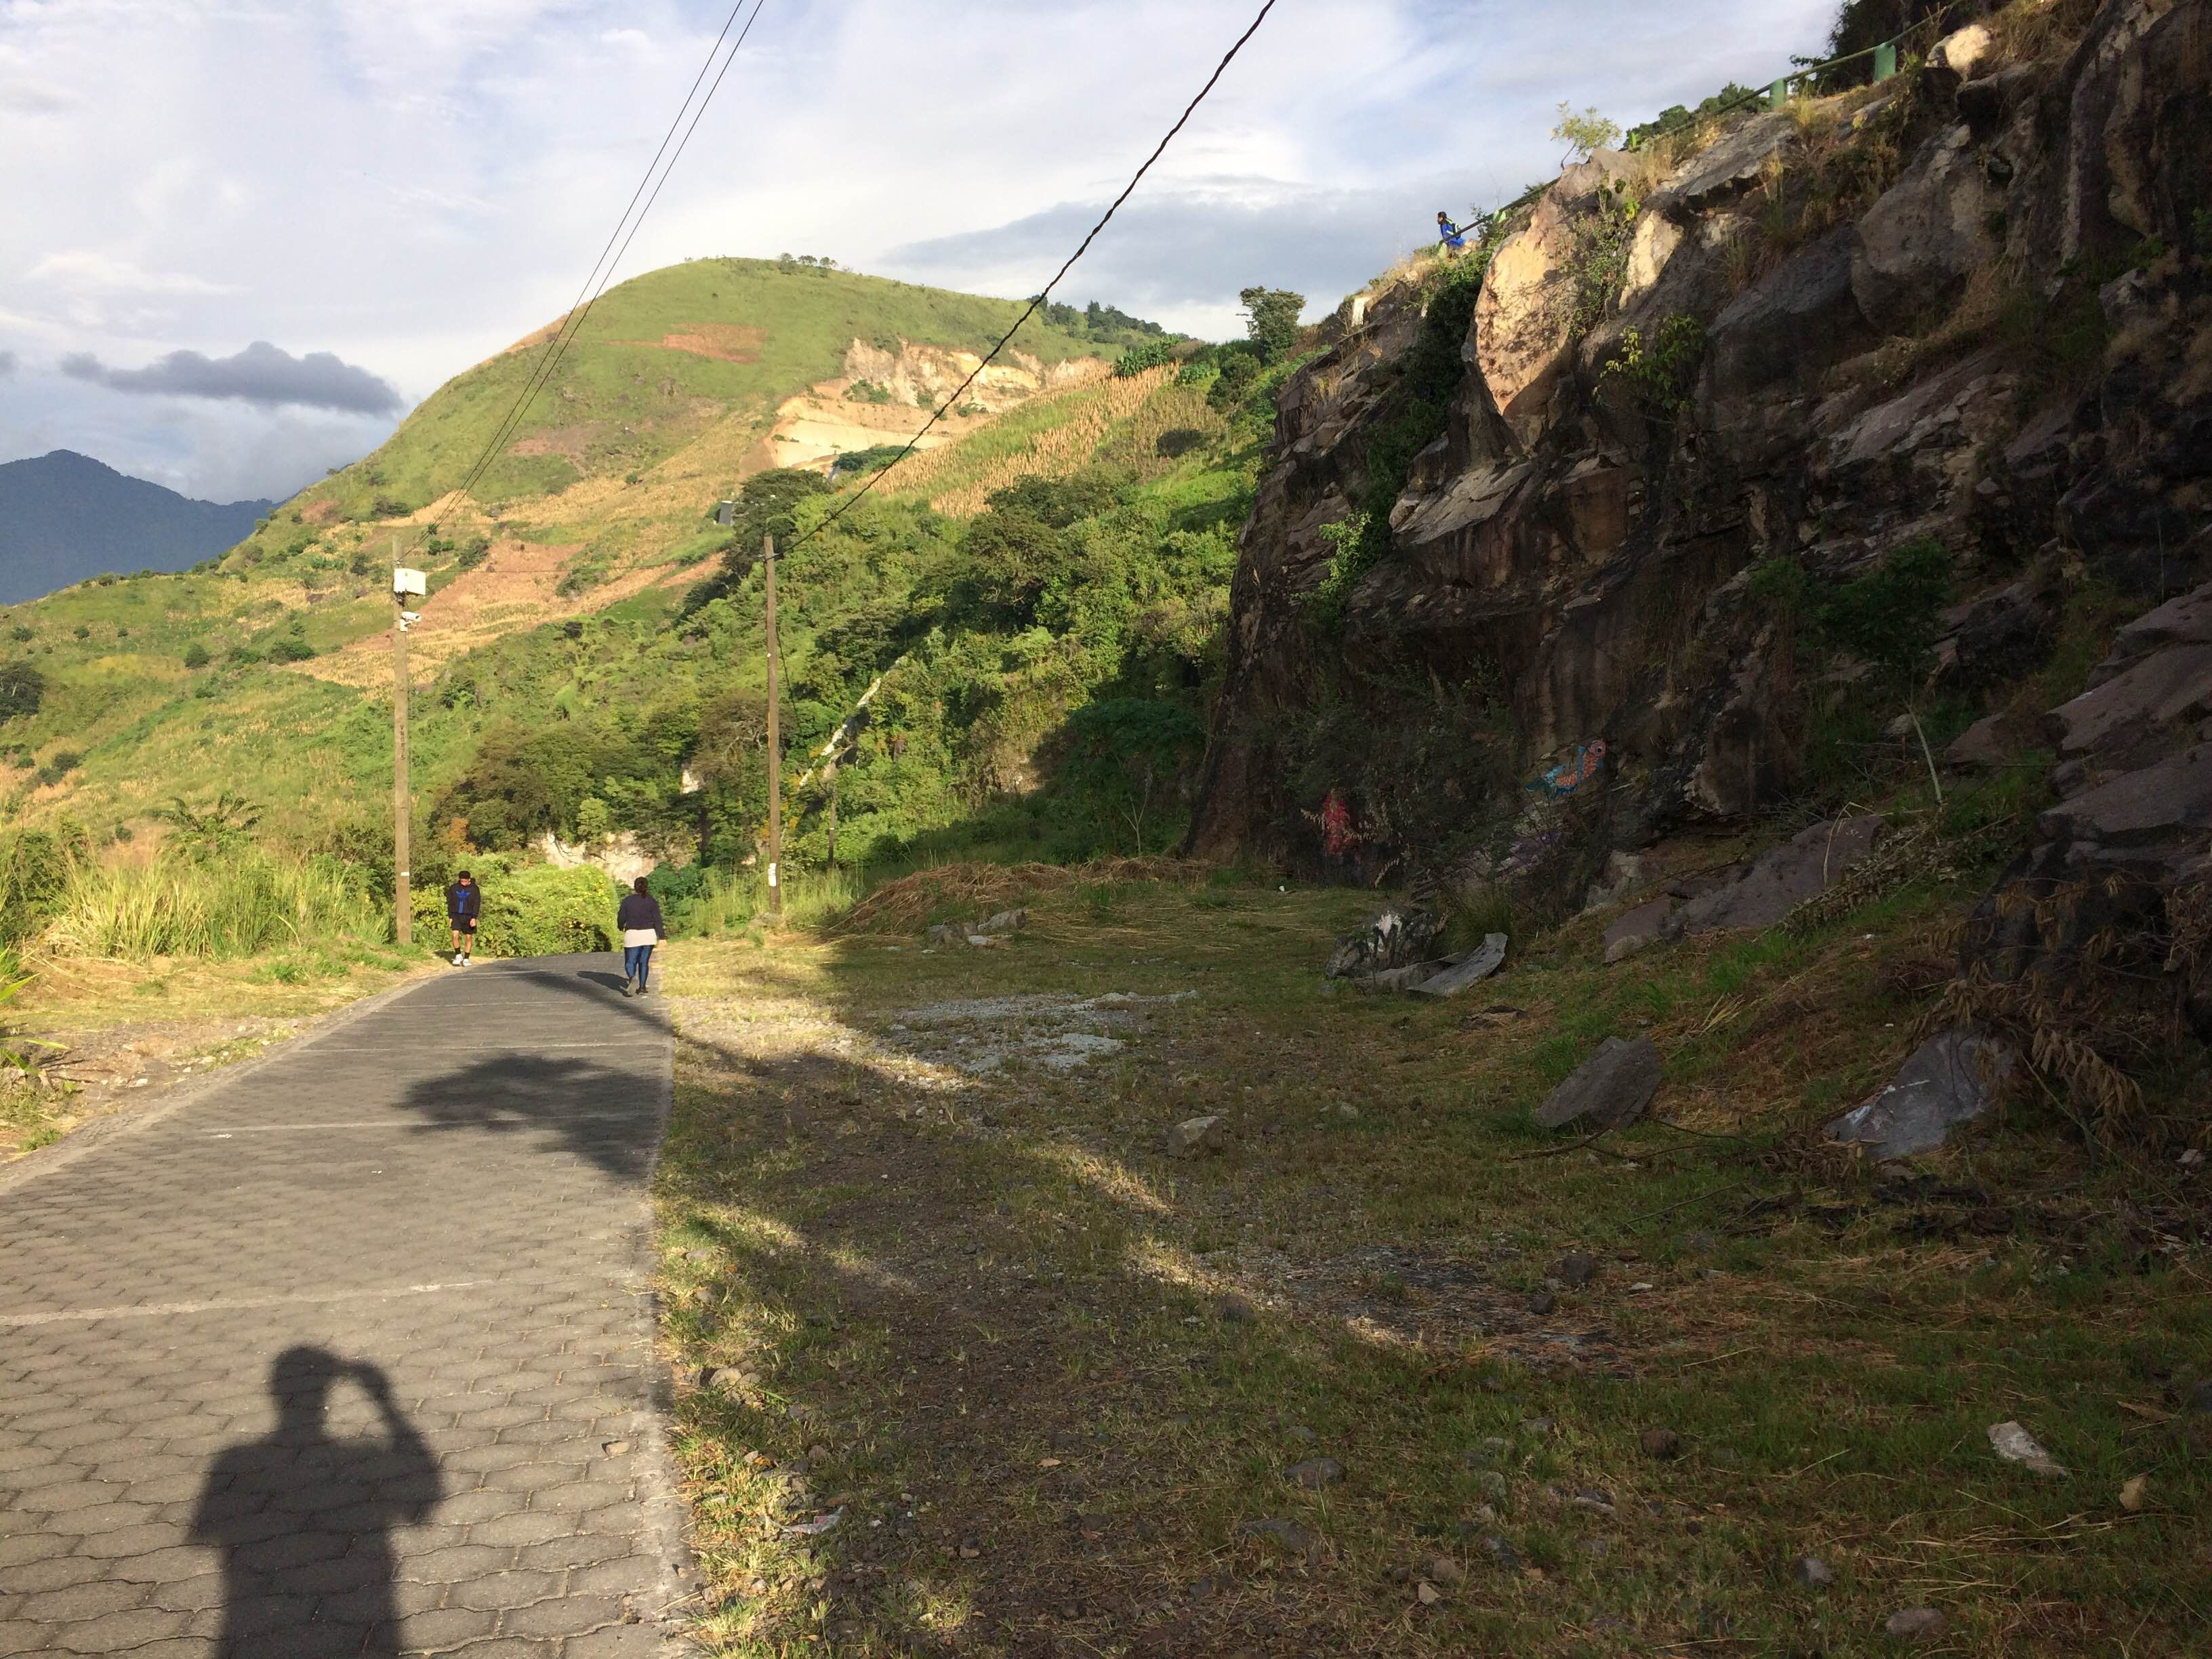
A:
169,1020
1044,1376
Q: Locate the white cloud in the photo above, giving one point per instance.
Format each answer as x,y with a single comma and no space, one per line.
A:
413,184
85,269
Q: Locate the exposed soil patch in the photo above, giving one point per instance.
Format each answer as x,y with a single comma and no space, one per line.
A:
725,343
571,443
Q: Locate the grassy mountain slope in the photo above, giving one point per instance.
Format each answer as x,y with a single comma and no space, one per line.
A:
661,357
570,669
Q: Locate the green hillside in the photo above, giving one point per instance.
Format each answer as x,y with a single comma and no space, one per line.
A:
624,401
1046,631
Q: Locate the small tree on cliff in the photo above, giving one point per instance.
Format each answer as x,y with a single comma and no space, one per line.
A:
1585,132
1272,319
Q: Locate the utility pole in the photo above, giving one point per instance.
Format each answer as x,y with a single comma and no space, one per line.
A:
774,743
403,919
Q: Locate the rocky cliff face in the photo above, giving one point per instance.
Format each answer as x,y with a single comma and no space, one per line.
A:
1969,310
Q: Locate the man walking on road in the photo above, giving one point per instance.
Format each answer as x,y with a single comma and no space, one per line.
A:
639,918
464,904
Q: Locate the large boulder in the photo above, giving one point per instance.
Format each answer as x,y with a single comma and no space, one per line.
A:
1722,171
1950,1080
1634,929
2106,868
1763,891
1919,241
1524,321
2133,716
1787,329
1609,1089
1476,965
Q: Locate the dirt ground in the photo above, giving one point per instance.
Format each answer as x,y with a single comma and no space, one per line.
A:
970,1362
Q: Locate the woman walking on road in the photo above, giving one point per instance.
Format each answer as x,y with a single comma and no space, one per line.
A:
639,918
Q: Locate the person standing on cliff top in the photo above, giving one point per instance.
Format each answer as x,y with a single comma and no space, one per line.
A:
1449,233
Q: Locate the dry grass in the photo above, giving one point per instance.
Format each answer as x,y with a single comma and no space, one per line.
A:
904,905
1053,434
978,1316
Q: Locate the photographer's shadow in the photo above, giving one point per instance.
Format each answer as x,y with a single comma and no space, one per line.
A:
304,1520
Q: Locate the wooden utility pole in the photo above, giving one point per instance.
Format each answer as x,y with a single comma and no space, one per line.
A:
403,921
774,743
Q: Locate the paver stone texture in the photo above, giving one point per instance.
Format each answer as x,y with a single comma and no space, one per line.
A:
324,1358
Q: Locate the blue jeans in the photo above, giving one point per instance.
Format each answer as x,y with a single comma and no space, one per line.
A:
637,958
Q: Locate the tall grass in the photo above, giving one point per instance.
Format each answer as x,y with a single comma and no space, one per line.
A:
733,900
239,905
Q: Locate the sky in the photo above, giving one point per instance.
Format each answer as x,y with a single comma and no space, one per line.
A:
241,239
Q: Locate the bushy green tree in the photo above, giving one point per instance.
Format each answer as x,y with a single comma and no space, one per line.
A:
23,689
767,505
1272,319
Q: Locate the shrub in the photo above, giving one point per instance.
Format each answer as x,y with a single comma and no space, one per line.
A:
1585,133
868,392
1150,354
474,552
196,655
1661,372
289,647
1238,370
534,911
59,765
1890,616
219,829
34,866
23,689
1598,263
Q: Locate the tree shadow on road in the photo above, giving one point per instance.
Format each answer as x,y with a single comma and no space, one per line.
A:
604,1115
304,1519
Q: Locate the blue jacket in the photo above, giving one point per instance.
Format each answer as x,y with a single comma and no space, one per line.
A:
463,903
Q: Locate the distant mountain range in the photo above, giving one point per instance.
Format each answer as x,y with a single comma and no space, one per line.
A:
64,517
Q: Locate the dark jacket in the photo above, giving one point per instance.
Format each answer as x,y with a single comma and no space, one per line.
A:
640,910
463,903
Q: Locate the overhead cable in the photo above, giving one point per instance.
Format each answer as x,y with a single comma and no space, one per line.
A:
952,401
603,268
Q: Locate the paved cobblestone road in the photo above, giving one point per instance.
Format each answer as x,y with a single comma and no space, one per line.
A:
350,1354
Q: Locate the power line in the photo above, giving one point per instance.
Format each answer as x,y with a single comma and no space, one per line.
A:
603,268
573,324
937,414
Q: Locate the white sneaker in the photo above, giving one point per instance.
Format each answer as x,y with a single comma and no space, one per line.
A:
458,958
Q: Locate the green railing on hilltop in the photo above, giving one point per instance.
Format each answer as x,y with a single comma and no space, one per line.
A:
1777,92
